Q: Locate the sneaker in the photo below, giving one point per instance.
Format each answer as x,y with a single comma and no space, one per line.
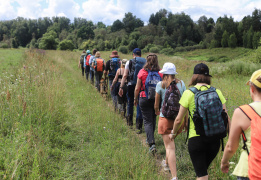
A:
164,165
153,149
175,178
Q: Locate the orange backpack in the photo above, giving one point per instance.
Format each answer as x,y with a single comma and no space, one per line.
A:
87,60
254,158
99,65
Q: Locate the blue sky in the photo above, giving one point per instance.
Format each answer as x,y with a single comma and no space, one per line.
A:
108,11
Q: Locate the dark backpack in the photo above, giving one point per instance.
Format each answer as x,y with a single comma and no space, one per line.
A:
135,65
208,114
114,66
82,58
170,107
150,84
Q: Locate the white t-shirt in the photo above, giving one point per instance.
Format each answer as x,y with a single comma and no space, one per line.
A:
127,67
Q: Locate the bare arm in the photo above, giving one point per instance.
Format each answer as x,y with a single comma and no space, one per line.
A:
239,122
157,103
178,121
115,78
137,91
125,75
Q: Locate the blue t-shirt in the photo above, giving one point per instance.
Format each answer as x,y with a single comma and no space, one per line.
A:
181,86
91,61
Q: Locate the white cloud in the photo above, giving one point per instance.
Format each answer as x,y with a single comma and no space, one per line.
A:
67,8
7,11
108,11
102,10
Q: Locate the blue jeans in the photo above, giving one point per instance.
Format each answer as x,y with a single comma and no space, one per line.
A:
114,98
130,98
92,76
98,76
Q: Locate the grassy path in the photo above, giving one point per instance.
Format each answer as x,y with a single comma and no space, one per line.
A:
104,147
55,125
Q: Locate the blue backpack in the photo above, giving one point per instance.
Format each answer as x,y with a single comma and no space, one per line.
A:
135,65
114,66
208,114
150,84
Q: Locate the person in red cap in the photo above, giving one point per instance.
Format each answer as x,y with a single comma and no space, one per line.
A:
111,68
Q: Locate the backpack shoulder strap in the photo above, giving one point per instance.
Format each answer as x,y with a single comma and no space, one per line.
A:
194,90
249,111
251,114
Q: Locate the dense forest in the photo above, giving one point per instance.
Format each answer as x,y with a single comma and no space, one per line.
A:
165,33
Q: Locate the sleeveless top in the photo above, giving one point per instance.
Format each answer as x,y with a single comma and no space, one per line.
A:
241,168
120,76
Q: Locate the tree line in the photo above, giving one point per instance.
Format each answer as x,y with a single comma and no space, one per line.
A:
166,33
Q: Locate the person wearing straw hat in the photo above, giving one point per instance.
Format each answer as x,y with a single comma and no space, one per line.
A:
122,100
111,68
241,125
165,125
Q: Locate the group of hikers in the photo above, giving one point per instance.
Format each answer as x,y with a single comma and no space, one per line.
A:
199,110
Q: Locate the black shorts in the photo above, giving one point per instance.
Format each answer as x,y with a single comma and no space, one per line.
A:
202,151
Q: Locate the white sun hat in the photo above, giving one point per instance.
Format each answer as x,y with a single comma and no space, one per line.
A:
168,68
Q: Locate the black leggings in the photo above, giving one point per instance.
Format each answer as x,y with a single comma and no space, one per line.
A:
202,151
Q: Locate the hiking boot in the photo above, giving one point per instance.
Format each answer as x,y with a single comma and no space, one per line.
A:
152,149
164,165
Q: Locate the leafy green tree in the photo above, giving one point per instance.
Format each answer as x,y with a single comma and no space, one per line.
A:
117,26
101,45
101,25
256,20
225,39
131,22
250,34
256,40
232,43
66,45
218,34
49,41
133,44
85,32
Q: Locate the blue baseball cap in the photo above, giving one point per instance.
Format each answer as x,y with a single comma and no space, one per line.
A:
88,51
137,51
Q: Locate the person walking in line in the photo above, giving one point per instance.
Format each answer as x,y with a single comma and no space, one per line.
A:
81,61
115,88
91,68
241,126
132,69
111,68
203,143
98,65
148,77
165,125
86,64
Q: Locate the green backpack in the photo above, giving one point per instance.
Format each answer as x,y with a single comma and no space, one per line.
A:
82,58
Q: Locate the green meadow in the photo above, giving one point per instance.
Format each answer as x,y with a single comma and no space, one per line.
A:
55,125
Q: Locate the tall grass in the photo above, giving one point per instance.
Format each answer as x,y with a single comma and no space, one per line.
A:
55,125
